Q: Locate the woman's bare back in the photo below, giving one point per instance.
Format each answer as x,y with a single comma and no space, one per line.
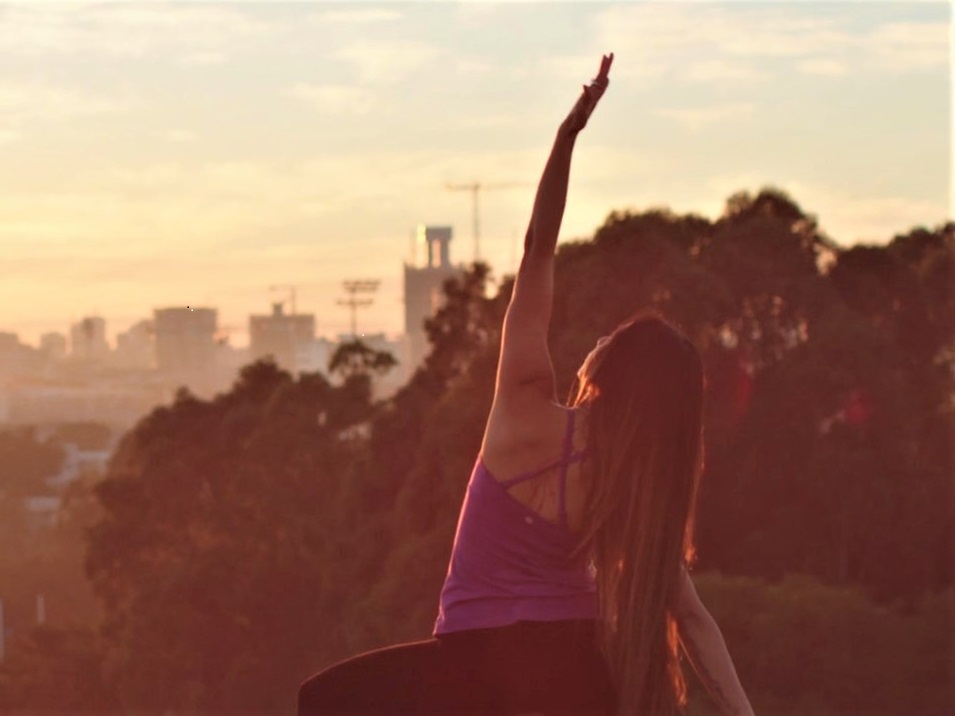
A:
527,440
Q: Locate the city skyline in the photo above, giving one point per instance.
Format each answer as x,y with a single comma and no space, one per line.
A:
229,147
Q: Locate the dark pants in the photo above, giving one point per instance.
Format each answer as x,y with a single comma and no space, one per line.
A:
526,668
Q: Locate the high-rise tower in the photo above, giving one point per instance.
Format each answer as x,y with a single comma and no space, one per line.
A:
423,293
282,336
185,347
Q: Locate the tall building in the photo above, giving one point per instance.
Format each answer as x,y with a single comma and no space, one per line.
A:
185,347
53,346
15,357
135,347
283,336
88,341
423,294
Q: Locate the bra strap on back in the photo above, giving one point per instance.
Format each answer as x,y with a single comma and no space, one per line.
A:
565,461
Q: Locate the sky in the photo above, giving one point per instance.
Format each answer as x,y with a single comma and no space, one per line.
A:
159,155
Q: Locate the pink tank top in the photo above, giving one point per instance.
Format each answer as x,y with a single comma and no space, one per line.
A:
508,564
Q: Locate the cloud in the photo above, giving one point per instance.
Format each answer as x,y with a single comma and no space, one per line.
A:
478,14
901,47
354,16
23,102
313,207
674,38
473,66
205,58
333,99
689,40
716,70
491,119
822,67
783,35
34,30
126,30
388,62
180,136
695,118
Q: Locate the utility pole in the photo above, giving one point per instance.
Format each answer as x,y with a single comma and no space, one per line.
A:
474,188
353,288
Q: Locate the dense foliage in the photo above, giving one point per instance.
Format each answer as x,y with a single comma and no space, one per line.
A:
240,544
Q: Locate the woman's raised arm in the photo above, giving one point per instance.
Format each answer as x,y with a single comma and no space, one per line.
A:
525,368
551,196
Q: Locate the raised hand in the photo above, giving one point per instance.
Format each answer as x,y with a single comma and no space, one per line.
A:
577,119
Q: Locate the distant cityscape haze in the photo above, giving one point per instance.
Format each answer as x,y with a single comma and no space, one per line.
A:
194,155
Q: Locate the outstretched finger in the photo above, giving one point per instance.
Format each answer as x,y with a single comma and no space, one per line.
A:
604,67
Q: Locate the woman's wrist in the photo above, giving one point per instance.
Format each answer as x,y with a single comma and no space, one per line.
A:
566,132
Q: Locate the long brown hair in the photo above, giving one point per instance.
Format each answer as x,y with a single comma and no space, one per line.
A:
645,458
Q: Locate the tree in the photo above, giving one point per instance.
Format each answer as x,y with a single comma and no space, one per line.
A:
27,463
222,542
355,358
245,542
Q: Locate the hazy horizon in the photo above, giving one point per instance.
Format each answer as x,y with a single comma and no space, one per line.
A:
195,154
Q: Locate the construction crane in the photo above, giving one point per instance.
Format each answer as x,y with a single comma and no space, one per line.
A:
474,188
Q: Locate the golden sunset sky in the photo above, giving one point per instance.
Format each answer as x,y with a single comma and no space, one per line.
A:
158,155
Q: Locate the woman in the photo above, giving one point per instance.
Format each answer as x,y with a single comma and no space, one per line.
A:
567,591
